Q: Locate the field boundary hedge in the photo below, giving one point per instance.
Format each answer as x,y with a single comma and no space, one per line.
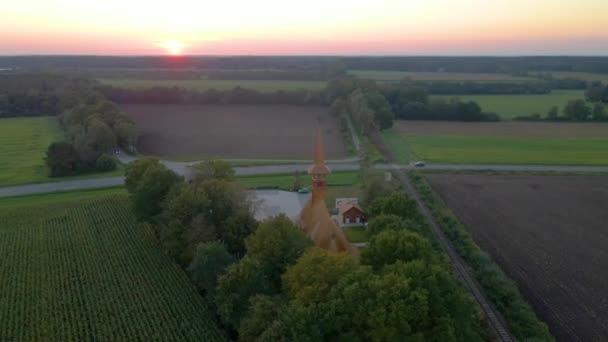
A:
499,288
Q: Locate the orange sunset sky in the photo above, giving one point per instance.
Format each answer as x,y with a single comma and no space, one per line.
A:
312,27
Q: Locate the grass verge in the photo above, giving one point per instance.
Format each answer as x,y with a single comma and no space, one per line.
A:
498,287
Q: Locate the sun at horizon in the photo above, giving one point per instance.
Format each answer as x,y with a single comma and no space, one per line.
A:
173,47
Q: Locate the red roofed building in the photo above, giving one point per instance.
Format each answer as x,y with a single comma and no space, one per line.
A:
350,213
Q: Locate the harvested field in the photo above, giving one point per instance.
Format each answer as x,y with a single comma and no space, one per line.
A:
512,128
235,131
548,233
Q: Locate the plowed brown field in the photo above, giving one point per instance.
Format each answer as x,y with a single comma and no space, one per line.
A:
550,234
235,131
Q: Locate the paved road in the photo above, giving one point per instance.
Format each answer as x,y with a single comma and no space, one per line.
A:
181,168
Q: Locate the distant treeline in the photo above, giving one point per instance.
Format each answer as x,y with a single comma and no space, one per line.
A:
42,94
319,73
593,108
237,95
508,65
94,127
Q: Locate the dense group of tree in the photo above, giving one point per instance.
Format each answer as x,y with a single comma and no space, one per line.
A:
509,65
237,95
362,100
94,127
410,102
597,93
268,282
93,132
593,109
28,94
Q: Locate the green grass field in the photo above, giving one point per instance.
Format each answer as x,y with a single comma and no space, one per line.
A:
23,143
389,75
356,234
510,106
507,150
260,85
586,76
286,182
77,266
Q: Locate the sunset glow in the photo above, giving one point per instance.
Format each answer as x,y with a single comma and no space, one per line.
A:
316,27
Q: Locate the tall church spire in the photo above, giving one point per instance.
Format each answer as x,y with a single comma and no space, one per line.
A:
319,158
318,170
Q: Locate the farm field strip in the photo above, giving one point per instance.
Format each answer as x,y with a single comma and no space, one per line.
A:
83,268
235,131
510,106
202,85
547,233
524,143
23,143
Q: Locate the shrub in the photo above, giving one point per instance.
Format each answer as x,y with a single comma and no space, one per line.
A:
105,163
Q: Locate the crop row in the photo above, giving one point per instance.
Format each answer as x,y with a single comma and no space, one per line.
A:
87,270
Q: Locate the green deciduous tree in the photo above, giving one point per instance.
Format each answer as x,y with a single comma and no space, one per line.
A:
61,159
391,246
241,282
135,171
210,262
151,190
276,244
577,110
310,279
398,204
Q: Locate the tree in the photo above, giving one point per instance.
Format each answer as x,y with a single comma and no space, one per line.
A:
210,262
105,163
212,169
151,190
312,277
61,159
338,107
260,323
577,110
599,112
553,113
383,114
595,92
276,244
391,246
297,183
99,136
135,171
242,281
398,204
385,222
375,186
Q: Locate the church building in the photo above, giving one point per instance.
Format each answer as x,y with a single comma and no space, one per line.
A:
314,218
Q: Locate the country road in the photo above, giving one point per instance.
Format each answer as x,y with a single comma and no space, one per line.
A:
181,168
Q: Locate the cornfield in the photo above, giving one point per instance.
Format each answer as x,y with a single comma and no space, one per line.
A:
86,270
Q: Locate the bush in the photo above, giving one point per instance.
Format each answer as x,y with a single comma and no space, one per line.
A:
61,159
105,163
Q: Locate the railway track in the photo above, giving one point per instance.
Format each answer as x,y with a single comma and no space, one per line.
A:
465,275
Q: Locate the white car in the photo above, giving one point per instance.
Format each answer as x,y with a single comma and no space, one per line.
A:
419,164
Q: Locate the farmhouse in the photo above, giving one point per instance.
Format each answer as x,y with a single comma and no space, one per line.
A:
314,219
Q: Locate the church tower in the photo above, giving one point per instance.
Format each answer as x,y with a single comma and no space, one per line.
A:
319,171
314,219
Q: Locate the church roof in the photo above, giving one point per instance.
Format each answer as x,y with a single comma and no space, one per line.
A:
344,207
